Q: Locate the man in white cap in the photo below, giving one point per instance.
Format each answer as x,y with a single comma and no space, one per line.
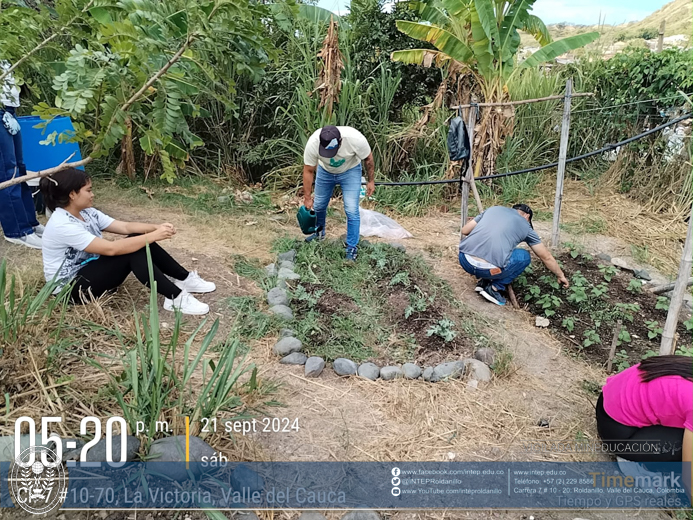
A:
336,153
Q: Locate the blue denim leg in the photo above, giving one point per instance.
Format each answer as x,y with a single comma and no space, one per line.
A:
324,186
13,213
518,262
350,182
27,198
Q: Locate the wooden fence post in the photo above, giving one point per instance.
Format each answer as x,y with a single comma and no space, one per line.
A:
660,41
669,332
464,205
562,152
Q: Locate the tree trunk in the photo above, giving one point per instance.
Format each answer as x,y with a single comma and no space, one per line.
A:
127,154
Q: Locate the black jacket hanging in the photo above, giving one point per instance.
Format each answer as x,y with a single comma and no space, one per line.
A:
458,140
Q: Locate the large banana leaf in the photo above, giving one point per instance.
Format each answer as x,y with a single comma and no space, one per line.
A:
283,13
431,12
509,37
423,57
481,44
457,9
555,49
487,19
534,26
440,38
316,14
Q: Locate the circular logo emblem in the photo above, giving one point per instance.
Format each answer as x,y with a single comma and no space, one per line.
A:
37,480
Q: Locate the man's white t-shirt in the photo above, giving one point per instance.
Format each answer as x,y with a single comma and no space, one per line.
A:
352,151
65,239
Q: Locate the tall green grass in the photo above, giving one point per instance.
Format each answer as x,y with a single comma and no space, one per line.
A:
156,383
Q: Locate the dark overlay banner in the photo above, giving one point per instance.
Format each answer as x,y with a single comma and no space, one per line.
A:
353,485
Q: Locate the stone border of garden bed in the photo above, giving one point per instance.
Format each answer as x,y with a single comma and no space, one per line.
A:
290,348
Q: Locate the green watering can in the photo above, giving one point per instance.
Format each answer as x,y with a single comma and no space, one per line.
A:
307,220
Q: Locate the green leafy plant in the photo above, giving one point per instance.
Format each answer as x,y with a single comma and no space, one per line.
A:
577,294
653,329
568,323
688,324
608,271
549,303
623,337
634,286
550,281
662,303
401,278
649,353
443,328
625,311
599,290
684,350
591,338
621,360
578,280
418,302
137,70
311,299
534,292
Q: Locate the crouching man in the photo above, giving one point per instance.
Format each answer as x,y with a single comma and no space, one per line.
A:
490,250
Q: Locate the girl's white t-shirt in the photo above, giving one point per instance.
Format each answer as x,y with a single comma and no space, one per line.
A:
65,239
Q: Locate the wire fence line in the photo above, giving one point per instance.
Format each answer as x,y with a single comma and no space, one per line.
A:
606,148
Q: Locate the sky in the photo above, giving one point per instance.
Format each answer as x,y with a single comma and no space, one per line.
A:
585,12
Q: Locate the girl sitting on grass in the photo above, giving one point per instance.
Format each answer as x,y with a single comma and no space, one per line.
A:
74,250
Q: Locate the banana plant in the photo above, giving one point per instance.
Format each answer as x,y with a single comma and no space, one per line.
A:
481,37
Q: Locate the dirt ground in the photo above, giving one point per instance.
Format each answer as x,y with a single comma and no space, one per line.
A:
353,419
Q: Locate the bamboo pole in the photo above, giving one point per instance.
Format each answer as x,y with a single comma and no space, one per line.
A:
562,152
524,101
668,344
464,203
660,40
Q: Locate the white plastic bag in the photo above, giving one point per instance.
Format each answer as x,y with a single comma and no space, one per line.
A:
374,224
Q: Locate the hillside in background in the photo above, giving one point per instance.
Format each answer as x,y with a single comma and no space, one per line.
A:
678,16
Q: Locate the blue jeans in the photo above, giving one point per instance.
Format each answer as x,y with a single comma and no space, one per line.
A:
17,212
350,181
518,262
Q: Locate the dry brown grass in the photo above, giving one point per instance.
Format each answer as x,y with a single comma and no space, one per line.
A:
662,234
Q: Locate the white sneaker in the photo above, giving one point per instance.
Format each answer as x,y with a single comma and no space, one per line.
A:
187,304
194,284
33,241
38,230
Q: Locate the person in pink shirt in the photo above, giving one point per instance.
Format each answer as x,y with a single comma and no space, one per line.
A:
645,413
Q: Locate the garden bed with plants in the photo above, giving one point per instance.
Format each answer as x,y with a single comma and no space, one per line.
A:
387,307
585,316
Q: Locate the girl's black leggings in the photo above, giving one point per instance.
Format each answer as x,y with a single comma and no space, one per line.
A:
106,273
649,444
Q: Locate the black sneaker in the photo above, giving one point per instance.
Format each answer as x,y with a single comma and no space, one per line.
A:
481,285
492,295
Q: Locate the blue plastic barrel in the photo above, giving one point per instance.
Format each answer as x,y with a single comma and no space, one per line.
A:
39,156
